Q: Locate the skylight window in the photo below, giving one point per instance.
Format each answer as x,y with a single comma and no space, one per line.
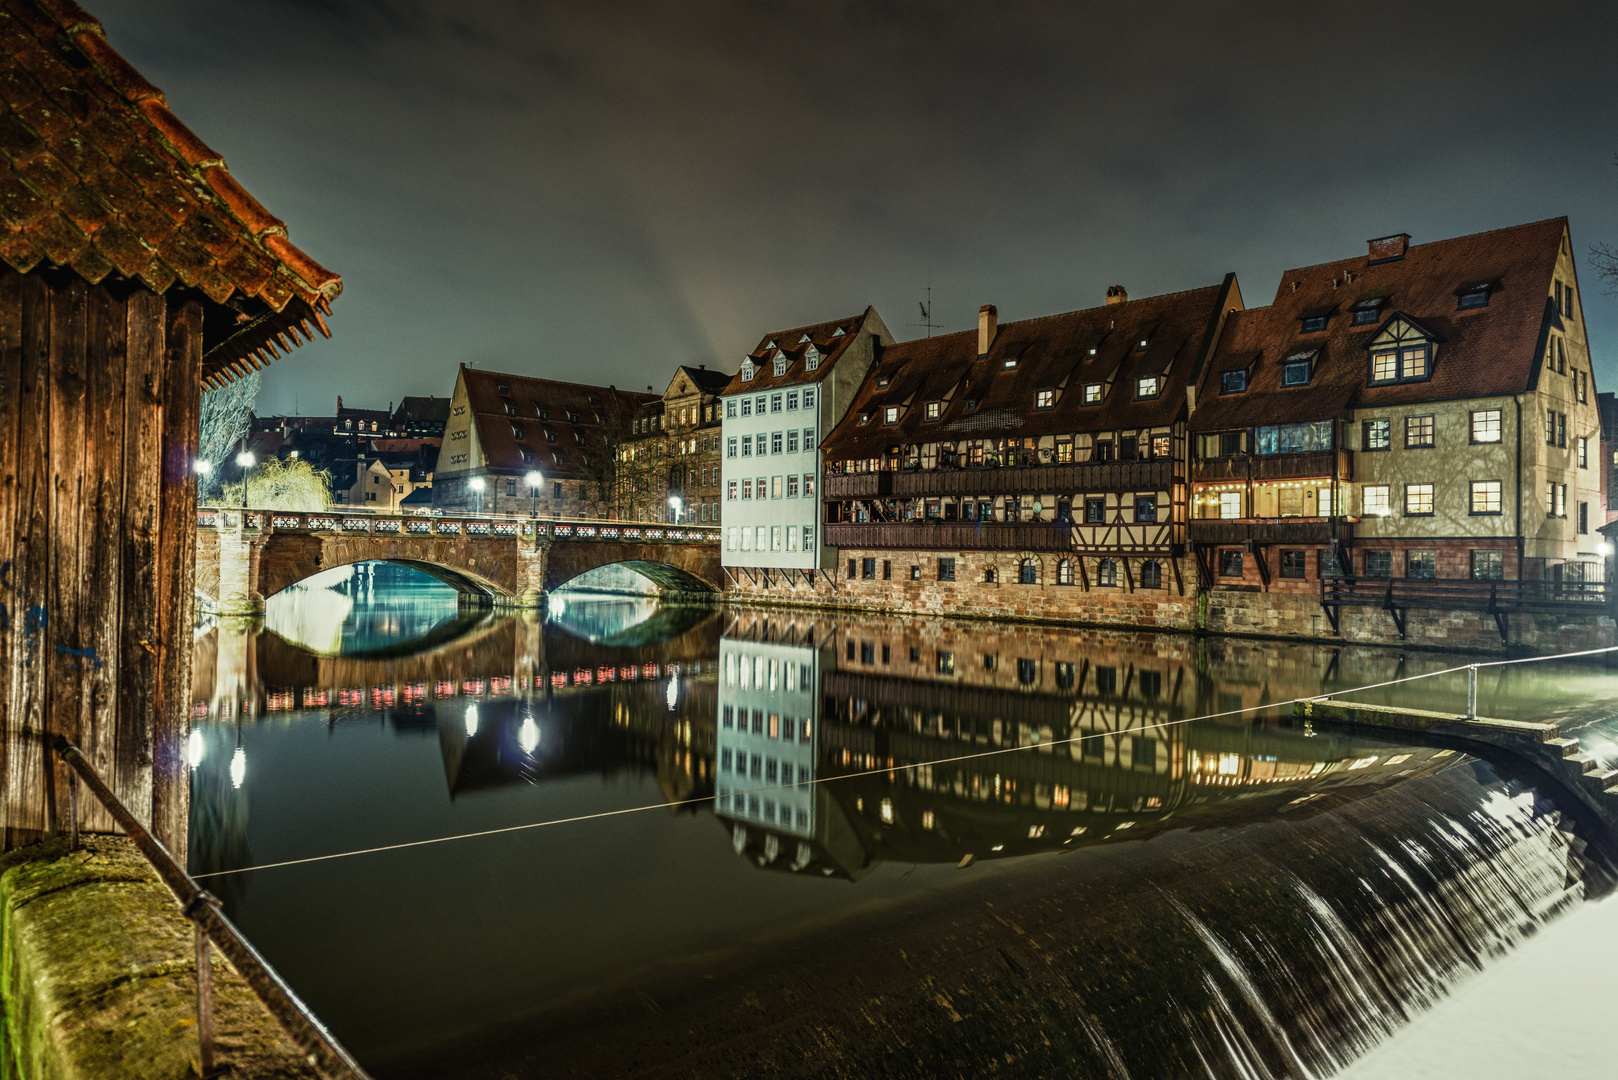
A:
1367,311
1314,324
1474,296
1092,350
865,418
1008,364
1140,345
882,383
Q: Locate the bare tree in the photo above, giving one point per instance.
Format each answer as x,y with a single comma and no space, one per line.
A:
226,413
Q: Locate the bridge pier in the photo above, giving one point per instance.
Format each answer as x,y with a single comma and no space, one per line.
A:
533,560
238,573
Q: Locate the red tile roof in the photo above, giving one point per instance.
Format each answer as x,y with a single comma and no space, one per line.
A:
1050,352
97,175
791,344
1481,352
602,412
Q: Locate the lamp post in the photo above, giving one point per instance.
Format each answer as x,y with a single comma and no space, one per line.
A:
535,478
674,501
477,485
245,459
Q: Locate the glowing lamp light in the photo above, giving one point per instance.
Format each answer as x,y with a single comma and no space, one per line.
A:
535,478
245,459
203,467
194,749
557,605
471,720
1604,547
673,693
238,767
476,483
528,735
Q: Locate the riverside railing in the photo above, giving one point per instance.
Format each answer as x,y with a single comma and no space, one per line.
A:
319,1048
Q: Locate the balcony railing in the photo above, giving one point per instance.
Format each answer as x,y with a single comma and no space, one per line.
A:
1315,463
1269,530
953,536
1466,594
1075,479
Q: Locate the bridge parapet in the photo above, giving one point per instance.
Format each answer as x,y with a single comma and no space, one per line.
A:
345,522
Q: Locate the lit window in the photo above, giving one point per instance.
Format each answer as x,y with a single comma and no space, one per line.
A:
1148,387
865,418
1485,496
1007,365
1378,434
1043,399
1092,393
1384,366
1486,426
890,415
1584,451
934,409
1377,503
1419,432
1418,500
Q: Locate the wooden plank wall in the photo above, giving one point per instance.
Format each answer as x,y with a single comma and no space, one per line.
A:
99,397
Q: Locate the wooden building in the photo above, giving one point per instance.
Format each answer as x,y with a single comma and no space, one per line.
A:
137,272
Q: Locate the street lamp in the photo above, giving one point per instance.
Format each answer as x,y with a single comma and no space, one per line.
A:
245,459
477,486
674,501
535,478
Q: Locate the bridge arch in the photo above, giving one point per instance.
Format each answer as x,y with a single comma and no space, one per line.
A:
664,577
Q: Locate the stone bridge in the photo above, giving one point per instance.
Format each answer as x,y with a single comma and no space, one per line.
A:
244,556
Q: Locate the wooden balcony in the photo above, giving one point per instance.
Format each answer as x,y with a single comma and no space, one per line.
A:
1072,479
1231,531
953,536
1261,467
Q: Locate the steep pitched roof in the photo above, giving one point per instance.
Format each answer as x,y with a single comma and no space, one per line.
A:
1481,352
709,382
829,339
599,415
430,410
98,176
982,398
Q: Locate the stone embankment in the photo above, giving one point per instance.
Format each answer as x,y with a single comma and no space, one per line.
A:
98,976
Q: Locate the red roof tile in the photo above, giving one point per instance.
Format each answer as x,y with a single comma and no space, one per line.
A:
98,176
1482,352
599,417
830,340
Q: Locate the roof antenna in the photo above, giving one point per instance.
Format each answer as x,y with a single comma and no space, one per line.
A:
927,323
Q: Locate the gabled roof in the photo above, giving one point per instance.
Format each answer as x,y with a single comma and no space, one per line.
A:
982,398
709,382
427,410
829,339
98,176
1481,352
603,414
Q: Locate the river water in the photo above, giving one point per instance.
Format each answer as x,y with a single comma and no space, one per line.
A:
746,842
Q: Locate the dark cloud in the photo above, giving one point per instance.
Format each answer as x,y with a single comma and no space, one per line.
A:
602,190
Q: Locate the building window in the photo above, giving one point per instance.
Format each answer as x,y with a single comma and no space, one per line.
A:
851,571
1095,511
747,489
775,487
1474,296
1151,574
1420,432
1314,324
1584,451
792,486
1294,564
730,409
944,662
1092,393
1379,564
1043,399
934,409
1418,500
1148,387
1028,572
775,442
915,573
730,491
1295,438
1027,672
1366,312
1233,382
1378,434
747,445
1230,563
808,485
1107,572
1421,565
1295,373
890,415
1584,517
1561,430
1064,572
1486,426
1146,508
1488,565
1555,500
989,576
808,538
1400,365
1230,504
1485,496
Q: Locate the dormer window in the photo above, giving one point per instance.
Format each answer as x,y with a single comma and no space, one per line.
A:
1474,296
594,399
511,408
1314,324
770,344
1007,365
780,366
1402,353
811,358
578,436
935,409
1297,368
1092,393
748,370
516,431
504,388
550,436
803,339
572,417
1093,350
1140,346
1367,312
561,459
865,418
542,412
837,332
1044,399
882,383
971,406
1233,382
1148,387
890,415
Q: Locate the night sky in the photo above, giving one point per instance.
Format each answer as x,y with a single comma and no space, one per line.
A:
601,190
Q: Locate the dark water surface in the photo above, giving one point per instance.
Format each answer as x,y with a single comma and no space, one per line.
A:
1074,880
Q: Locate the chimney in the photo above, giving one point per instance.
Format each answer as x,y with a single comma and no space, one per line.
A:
1117,294
988,323
1389,248
702,367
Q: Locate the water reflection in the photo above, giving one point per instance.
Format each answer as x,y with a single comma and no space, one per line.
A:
1008,838
364,609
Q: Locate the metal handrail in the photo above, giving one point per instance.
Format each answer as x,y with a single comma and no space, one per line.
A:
323,1052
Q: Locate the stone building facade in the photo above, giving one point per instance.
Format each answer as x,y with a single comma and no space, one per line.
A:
672,452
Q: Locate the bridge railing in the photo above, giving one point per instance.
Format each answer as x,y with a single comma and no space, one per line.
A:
348,522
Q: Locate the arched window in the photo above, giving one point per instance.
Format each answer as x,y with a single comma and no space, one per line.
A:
1107,572
1151,574
988,575
1064,572
1030,572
